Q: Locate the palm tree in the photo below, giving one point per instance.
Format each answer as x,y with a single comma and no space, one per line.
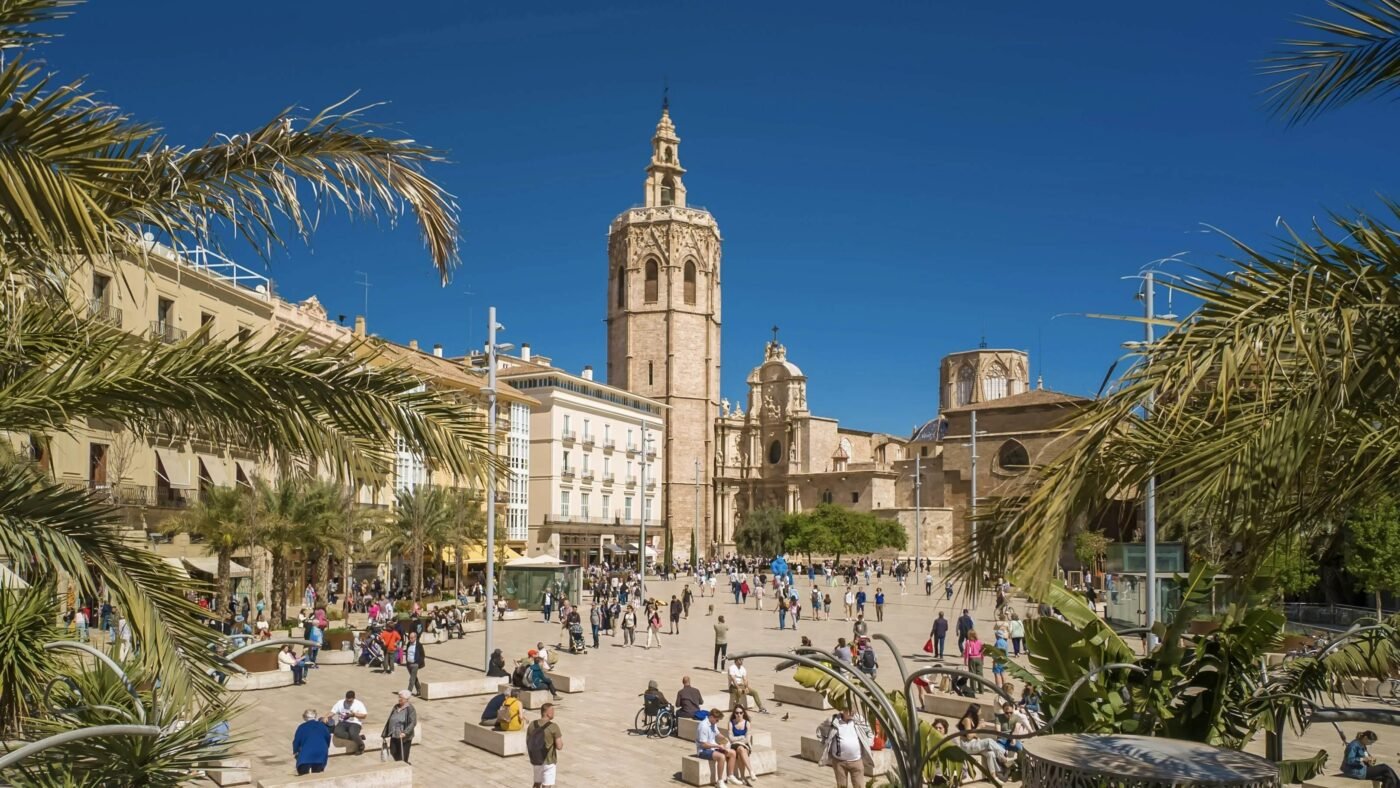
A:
468,528
221,520
1357,57
422,519
81,179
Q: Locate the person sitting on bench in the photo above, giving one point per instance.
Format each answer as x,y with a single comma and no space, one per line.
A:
1359,764
538,679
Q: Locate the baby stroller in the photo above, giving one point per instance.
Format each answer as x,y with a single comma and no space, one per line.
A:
576,645
371,650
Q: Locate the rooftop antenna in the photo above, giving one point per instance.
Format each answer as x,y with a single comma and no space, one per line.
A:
665,94
362,279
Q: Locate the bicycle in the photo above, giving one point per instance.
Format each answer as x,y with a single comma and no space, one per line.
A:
655,718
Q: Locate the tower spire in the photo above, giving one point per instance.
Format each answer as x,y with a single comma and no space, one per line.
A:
665,95
664,186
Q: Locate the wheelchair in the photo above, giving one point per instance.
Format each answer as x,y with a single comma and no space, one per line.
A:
656,718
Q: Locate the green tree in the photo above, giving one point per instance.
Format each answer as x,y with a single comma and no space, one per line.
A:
422,520
762,533
83,180
221,519
835,530
1089,548
1372,552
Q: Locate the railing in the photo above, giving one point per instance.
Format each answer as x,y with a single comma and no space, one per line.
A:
631,450
103,312
588,477
578,519
567,473
651,454
631,482
607,479
173,498
567,436
609,445
1328,616
217,265
167,333
588,441
651,484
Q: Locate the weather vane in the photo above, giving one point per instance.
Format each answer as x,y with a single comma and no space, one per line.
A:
775,335
665,93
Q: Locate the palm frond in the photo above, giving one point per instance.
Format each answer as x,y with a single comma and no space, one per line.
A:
17,17
1358,57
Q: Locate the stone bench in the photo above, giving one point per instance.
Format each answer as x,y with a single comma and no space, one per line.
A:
249,682
230,771
458,688
566,683
698,771
336,657
486,737
955,706
812,751
529,699
688,728
1338,781
373,741
800,696
380,775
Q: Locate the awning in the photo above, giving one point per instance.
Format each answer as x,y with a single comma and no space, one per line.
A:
476,554
173,468
632,548
208,565
179,566
249,469
11,581
214,466
539,560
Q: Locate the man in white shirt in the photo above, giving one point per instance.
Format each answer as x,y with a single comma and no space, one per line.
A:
708,747
843,751
739,689
850,600
543,654
347,717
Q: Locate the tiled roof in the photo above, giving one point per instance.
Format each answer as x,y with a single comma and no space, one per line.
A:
1032,397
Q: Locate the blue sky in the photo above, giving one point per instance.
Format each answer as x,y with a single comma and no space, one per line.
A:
894,180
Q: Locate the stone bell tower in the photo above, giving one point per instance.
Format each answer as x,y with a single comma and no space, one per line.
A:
663,330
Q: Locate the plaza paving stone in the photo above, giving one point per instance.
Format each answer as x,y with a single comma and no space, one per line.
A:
599,747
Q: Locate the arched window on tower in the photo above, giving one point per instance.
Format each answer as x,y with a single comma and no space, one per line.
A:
964,386
670,157
668,191
652,290
995,382
622,286
1012,457
690,282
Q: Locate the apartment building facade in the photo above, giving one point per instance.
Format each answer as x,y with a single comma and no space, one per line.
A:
595,472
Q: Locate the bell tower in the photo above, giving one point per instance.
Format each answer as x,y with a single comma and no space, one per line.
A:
663,317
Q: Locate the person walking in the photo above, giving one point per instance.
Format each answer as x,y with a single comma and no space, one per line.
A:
676,608
721,642
543,741
928,584
973,651
1017,629
687,597
311,744
879,604
629,626
964,627
547,603
398,728
850,602
939,635
782,612
654,627
846,748
595,622
414,658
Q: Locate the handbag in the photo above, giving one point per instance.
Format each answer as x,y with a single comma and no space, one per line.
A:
928,646
384,750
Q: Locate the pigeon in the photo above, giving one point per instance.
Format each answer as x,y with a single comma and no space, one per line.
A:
786,716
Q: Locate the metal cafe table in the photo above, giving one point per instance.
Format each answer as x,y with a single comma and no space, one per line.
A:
1079,760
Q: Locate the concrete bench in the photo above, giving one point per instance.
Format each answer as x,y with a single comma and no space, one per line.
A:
458,688
380,775
336,657
373,741
502,743
249,682
880,764
698,771
955,706
1338,781
230,771
529,699
688,728
566,683
800,696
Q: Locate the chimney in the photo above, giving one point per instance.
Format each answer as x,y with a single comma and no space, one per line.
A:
437,350
525,351
588,373
412,344
359,325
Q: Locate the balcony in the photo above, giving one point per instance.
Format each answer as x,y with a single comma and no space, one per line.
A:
588,442
587,477
567,473
103,312
631,450
631,482
167,333
579,519
173,498
651,454
609,445
651,484
607,480
567,436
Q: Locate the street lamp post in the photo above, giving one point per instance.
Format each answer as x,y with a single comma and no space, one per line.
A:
1149,507
695,532
642,537
918,514
491,349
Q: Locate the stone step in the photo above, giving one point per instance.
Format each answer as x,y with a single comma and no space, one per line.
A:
800,696
458,688
251,682
230,771
955,706
698,771
566,683
379,775
530,699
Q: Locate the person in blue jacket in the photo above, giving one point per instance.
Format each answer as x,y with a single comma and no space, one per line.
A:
311,744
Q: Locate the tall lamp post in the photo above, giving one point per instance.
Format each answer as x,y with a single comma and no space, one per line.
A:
972,498
918,514
491,349
695,532
642,537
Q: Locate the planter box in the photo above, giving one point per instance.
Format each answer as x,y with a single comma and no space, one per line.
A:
245,682
259,661
335,639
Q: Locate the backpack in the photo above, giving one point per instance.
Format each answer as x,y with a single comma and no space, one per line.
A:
517,676
508,716
536,745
